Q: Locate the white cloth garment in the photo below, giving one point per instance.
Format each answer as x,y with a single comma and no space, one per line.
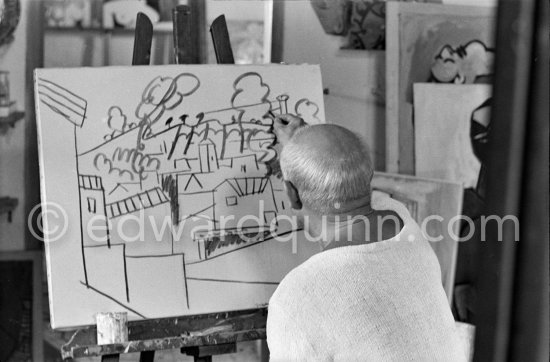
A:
382,301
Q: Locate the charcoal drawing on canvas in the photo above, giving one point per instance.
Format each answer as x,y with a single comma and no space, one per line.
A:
168,164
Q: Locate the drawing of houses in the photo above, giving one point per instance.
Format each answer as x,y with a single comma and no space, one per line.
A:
231,216
195,180
92,208
150,207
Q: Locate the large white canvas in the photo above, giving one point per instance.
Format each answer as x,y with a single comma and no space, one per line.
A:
443,115
176,147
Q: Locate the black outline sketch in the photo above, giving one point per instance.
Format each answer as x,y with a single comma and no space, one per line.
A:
166,157
463,64
62,101
307,117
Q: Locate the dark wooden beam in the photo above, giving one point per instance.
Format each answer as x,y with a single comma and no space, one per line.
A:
221,41
511,315
143,38
190,33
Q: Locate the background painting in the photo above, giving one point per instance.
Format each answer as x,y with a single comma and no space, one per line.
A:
443,115
430,42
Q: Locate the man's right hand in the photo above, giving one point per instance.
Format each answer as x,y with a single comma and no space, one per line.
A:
285,125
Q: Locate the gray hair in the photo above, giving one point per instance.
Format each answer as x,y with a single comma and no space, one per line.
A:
327,180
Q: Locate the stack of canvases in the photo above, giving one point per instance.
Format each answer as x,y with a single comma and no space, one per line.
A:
440,63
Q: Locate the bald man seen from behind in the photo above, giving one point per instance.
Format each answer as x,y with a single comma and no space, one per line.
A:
374,293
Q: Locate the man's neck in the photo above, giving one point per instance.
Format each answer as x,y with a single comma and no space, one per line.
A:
356,226
345,228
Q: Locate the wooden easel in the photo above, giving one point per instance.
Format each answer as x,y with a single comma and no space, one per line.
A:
200,336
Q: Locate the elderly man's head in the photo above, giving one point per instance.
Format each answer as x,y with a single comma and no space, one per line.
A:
328,167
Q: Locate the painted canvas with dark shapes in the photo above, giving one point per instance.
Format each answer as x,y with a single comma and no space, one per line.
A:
431,43
451,131
156,169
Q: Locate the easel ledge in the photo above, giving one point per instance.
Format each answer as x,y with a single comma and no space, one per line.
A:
169,333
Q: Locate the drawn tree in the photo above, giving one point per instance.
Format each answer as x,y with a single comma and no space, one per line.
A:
250,98
160,95
307,110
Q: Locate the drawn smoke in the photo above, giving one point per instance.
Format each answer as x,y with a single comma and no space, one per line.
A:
162,94
125,166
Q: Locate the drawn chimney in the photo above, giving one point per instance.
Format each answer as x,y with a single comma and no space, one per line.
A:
283,98
208,156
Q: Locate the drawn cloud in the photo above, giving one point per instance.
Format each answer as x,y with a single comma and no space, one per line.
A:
165,93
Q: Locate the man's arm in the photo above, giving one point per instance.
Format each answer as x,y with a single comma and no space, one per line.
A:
285,125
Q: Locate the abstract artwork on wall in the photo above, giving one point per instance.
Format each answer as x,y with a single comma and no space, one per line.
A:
445,116
430,43
367,25
162,174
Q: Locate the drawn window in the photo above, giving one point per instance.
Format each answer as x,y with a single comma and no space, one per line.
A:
231,200
91,205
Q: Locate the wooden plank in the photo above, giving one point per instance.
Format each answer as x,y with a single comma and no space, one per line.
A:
392,99
198,30
221,41
189,33
511,313
143,38
277,31
182,34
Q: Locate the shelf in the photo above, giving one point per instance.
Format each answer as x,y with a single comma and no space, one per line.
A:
158,28
9,121
7,205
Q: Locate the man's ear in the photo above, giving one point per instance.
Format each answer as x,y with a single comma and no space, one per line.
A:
293,195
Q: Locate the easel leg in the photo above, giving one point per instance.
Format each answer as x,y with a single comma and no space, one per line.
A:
205,353
110,358
147,356
203,359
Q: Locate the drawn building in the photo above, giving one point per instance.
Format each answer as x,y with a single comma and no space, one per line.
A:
206,171
150,208
248,209
92,208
